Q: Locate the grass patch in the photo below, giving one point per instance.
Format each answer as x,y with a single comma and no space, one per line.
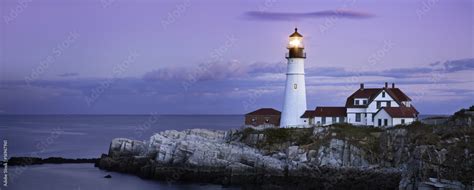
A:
278,137
349,131
366,138
296,136
247,131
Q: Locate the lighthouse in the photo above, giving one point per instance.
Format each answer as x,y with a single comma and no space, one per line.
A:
295,89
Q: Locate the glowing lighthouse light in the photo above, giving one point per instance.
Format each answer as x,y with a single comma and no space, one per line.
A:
296,42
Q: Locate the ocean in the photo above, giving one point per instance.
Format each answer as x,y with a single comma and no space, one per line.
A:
86,177
89,136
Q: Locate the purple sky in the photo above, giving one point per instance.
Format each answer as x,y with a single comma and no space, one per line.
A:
203,57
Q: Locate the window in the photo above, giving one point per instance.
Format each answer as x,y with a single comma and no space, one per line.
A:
357,102
388,104
385,122
334,119
403,121
341,119
295,86
364,102
379,104
383,94
323,119
305,120
379,122
357,117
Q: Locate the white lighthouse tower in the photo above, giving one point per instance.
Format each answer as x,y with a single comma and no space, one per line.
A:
295,89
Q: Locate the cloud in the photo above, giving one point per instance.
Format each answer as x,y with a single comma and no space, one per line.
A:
214,71
459,65
203,72
68,74
231,87
288,16
450,66
262,70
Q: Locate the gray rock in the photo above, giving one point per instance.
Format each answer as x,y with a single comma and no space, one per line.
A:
340,153
126,147
201,147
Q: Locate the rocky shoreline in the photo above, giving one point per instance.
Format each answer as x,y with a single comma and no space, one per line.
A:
257,178
335,157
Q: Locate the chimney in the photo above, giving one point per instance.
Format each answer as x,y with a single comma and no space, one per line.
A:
393,85
361,86
386,84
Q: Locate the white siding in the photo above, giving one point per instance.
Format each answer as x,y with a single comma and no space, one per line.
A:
361,101
391,121
351,116
317,121
370,118
398,121
372,108
382,115
328,120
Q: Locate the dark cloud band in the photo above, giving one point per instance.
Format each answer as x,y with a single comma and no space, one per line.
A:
286,16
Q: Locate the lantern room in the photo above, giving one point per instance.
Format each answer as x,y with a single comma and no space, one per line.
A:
295,46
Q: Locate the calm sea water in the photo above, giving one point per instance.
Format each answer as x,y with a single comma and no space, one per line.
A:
87,136
86,177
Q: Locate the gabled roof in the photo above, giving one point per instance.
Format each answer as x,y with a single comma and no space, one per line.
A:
330,112
400,112
265,111
372,93
369,93
398,94
308,114
296,34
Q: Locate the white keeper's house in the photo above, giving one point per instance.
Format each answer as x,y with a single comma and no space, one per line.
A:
378,107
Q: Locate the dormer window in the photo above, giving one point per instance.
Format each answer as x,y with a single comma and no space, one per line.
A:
383,94
360,102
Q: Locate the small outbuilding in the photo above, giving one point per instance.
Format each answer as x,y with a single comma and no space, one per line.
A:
391,116
263,116
329,115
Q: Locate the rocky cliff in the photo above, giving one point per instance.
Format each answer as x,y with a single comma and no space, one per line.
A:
339,156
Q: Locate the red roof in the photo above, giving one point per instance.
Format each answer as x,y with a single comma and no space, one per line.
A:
371,93
265,111
400,112
398,94
308,114
330,112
